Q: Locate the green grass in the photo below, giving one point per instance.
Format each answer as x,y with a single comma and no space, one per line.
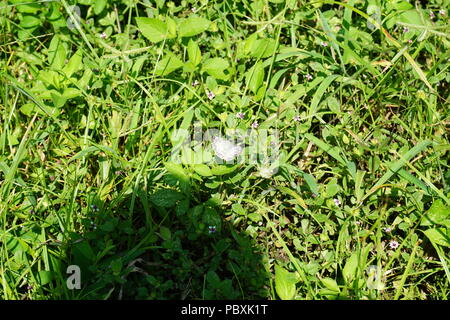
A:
358,206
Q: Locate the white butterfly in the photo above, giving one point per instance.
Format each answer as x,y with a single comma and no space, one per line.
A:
224,149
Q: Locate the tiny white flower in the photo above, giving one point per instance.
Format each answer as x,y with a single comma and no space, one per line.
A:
255,125
337,202
103,35
297,118
240,115
393,244
211,95
309,77
224,149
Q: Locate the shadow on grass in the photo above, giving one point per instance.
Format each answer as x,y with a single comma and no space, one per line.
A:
170,245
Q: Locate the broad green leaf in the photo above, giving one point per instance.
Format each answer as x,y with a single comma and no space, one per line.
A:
99,5
222,169
332,188
412,16
194,53
165,233
75,63
331,284
402,5
56,53
116,266
237,207
82,252
350,267
153,29
255,77
440,236
44,276
285,283
166,198
176,170
320,92
70,93
172,27
28,22
26,6
203,170
216,67
167,65
58,99
262,48
192,26
439,213
334,105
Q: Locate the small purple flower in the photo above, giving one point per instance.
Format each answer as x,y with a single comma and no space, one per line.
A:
212,229
432,15
94,207
255,125
393,244
309,77
337,202
194,9
297,118
240,115
323,44
405,29
387,229
410,41
211,95
103,35
195,83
